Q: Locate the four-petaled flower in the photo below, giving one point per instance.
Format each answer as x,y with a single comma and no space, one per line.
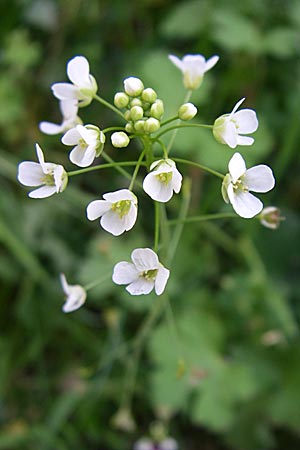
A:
239,181
52,178
143,274
76,295
69,109
118,211
83,87
163,180
230,128
193,68
89,142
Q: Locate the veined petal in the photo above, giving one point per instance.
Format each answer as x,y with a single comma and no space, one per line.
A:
43,192
97,208
121,194
144,259
161,279
124,273
236,166
66,91
259,178
71,137
78,71
246,120
211,62
50,128
30,173
244,140
245,204
113,223
140,286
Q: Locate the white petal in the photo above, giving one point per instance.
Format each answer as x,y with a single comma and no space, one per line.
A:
194,65
259,178
58,175
176,181
246,120
71,137
244,140
82,157
140,286
75,298
145,259
245,204
66,91
124,273
78,71
236,107
40,155
211,62
97,208
50,128
113,223
88,135
69,108
130,217
121,194
229,134
42,192
158,191
30,173
64,284
176,61
161,280
236,166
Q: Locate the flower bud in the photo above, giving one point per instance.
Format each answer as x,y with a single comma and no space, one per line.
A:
136,113
187,111
129,127
121,100
136,102
119,139
270,217
127,115
149,95
139,126
151,125
157,109
133,86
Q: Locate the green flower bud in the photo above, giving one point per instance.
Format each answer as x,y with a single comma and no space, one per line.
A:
129,127
136,113
121,100
187,111
136,102
119,139
139,126
151,125
157,109
127,115
149,95
133,86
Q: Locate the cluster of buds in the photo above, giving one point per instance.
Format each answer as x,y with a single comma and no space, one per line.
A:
143,109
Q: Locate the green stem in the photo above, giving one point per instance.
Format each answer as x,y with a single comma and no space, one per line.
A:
115,165
95,283
106,130
169,121
164,148
156,225
108,105
136,170
181,125
200,166
203,218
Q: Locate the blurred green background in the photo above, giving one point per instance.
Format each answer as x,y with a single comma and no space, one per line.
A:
235,300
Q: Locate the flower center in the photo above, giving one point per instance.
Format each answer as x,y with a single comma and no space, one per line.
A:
121,207
82,143
48,179
240,186
149,275
164,177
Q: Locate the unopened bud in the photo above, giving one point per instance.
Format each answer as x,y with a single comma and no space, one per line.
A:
136,102
121,100
120,139
149,95
151,125
136,113
270,217
133,86
129,127
139,126
187,111
157,109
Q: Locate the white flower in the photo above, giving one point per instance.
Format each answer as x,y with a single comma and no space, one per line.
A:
89,142
239,181
193,68
69,109
270,217
143,274
118,211
230,128
51,177
83,87
76,295
133,86
119,139
163,180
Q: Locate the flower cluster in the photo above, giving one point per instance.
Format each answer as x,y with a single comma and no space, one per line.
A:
141,111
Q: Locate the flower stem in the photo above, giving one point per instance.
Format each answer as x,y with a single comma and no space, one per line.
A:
181,125
116,165
156,225
168,121
95,283
136,170
200,166
203,218
109,105
106,130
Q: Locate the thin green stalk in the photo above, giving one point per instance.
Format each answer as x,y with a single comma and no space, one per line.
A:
169,121
203,218
156,225
95,283
107,130
108,105
115,165
178,126
136,170
200,166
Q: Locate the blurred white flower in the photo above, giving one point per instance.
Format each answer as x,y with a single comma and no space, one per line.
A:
163,180
143,274
52,178
69,109
148,444
239,181
230,128
89,142
75,295
83,86
118,211
270,217
193,68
